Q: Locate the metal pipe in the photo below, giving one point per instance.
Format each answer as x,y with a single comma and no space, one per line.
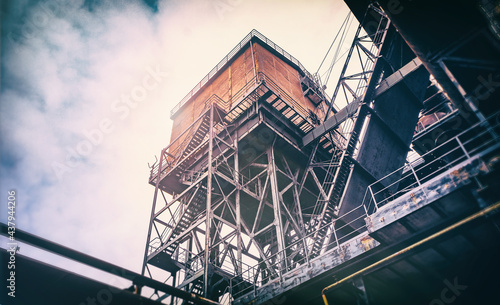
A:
483,212
91,261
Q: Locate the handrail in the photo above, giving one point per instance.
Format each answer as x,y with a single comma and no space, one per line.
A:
261,78
251,275
484,212
471,134
241,93
228,57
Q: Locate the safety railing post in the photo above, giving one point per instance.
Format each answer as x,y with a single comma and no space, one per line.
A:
335,234
462,147
373,197
286,263
255,287
416,178
305,249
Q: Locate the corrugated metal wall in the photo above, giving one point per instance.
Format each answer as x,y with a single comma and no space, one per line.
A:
284,75
225,85
233,78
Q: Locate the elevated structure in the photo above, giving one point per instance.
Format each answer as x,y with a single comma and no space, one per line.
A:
232,169
270,192
268,188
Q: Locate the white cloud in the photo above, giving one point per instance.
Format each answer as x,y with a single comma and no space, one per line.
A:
63,75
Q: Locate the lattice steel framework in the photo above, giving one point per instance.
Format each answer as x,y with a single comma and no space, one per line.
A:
239,201
357,89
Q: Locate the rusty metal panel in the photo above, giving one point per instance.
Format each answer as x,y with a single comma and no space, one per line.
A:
198,103
284,75
232,78
225,85
183,120
241,74
249,65
220,85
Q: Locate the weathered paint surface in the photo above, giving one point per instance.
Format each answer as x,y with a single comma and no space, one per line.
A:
444,184
291,280
239,73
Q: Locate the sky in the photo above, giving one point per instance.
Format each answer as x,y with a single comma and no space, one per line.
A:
85,99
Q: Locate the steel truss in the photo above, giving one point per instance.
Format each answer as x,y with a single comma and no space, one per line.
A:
357,90
249,203
239,205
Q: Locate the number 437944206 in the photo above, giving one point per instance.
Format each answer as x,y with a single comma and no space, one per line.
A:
11,214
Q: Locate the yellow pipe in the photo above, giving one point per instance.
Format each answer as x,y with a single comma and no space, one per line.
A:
454,226
324,297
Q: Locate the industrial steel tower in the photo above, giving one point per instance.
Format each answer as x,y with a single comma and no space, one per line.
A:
272,192
268,184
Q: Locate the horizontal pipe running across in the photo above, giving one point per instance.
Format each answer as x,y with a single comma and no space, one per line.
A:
88,260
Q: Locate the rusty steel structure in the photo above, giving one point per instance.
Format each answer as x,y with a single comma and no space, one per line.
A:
269,186
233,179
273,192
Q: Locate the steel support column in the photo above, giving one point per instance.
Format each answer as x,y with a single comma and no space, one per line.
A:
362,297
276,205
239,244
155,197
209,204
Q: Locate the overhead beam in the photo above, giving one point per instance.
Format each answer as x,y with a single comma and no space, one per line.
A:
332,123
349,110
397,76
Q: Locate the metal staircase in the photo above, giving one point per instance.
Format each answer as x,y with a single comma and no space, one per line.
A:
286,105
366,83
185,148
336,187
188,216
326,187
199,136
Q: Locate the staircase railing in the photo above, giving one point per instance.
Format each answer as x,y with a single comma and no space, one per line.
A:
176,156
258,276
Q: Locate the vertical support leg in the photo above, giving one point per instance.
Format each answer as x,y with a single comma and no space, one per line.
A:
155,197
172,298
209,205
276,206
362,297
239,256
